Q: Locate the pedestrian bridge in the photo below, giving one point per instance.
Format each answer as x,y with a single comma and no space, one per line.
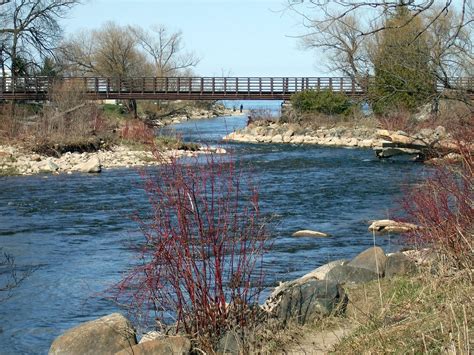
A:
187,88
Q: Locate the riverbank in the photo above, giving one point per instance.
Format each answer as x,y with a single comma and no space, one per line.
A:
432,145
292,133
373,303
19,161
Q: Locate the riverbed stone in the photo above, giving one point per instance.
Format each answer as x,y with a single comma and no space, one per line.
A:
171,345
309,301
346,274
321,272
372,259
277,139
391,226
309,233
399,264
106,335
297,139
92,165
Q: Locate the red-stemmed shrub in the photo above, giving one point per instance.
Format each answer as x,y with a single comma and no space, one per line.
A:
443,207
137,131
201,257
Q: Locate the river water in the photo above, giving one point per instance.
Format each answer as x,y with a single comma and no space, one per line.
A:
77,228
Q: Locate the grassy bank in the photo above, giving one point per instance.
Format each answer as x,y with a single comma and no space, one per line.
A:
421,314
424,313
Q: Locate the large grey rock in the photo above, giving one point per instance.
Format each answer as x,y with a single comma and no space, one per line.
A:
92,165
310,300
343,274
399,264
372,259
175,345
106,335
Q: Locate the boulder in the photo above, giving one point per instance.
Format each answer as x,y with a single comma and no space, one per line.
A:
48,166
321,272
92,165
310,300
173,345
34,157
106,335
372,259
399,264
277,139
390,226
309,233
342,274
297,139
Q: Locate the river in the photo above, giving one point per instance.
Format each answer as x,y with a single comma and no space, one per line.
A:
77,228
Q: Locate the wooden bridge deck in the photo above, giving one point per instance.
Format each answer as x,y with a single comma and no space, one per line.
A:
185,88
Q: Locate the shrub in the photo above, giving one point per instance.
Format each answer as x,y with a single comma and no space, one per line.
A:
137,131
201,258
443,207
326,101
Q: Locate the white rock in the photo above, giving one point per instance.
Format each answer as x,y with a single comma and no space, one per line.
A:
390,226
151,336
93,165
309,233
277,139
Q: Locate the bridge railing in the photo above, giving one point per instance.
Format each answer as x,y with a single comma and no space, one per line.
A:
196,87
224,85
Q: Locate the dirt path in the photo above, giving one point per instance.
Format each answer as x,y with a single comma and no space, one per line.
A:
318,342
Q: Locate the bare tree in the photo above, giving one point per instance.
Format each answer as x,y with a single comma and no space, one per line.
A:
165,49
451,47
109,51
30,29
350,31
346,50
325,12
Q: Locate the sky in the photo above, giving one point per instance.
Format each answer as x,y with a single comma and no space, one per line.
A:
232,37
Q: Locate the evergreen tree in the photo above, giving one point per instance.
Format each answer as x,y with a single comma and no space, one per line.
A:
404,78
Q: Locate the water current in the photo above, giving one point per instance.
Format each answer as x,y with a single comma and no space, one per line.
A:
77,228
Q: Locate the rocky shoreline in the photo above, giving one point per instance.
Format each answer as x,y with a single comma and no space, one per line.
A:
17,161
431,145
275,132
318,294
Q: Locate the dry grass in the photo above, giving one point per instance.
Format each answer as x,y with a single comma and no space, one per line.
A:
455,116
68,122
352,119
423,314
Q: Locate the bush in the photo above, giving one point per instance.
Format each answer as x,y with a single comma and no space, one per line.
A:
443,207
326,101
201,258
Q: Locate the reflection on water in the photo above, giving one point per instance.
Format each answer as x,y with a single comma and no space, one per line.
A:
77,228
